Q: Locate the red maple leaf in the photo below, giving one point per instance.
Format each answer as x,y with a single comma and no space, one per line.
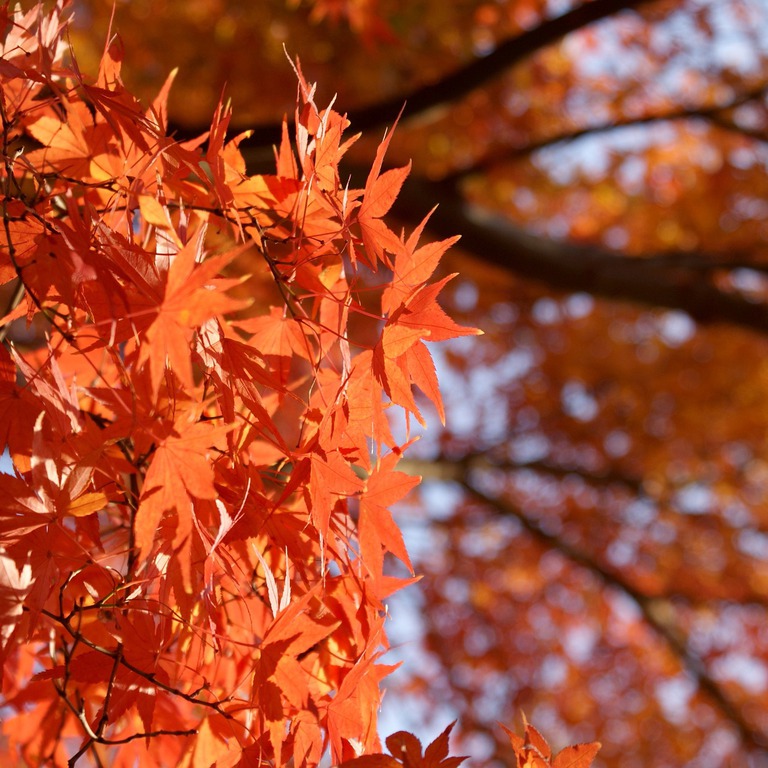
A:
181,471
193,294
377,531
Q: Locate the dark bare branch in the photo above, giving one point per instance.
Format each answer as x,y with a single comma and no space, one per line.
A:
577,268
717,114
464,80
654,611
443,468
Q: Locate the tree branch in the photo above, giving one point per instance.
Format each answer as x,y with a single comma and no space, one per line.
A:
462,81
713,114
446,469
576,268
672,281
726,124
456,470
653,610
492,238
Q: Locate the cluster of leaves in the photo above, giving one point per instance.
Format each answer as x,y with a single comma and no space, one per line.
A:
193,536
530,751
596,514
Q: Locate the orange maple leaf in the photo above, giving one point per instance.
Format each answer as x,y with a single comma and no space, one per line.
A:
400,359
405,751
377,531
532,751
192,295
181,471
379,195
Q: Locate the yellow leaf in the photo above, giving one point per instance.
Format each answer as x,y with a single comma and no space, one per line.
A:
87,504
153,212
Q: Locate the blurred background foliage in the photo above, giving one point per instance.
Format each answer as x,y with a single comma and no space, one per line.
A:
593,525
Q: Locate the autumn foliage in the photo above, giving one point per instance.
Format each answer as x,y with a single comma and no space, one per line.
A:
195,528
591,528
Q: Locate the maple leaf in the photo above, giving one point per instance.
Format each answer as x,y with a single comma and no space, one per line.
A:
377,531
211,748
405,752
576,756
180,471
308,740
532,750
277,334
277,673
191,297
352,712
69,142
148,420
331,478
120,109
18,412
413,267
226,163
58,483
421,317
22,509
400,359
366,411
30,42
239,374
380,193
318,139
15,584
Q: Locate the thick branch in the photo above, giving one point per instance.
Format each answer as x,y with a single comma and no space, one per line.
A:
464,80
481,71
722,121
674,282
576,268
670,281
